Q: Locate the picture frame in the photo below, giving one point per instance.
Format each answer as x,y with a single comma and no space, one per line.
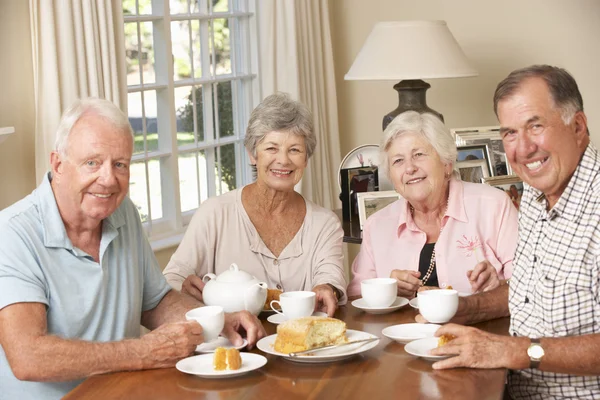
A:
512,185
470,158
473,170
353,181
489,135
371,202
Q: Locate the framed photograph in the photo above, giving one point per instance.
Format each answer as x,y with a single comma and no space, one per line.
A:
354,181
489,135
512,185
371,202
480,155
473,170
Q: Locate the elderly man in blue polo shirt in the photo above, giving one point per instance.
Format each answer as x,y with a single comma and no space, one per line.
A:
78,276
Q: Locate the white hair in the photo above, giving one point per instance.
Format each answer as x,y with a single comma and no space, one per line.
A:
87,106
427,125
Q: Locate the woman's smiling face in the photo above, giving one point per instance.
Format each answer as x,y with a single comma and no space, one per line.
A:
416,170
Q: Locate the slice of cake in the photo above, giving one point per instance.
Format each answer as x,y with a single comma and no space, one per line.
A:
309,332
227,359
444,339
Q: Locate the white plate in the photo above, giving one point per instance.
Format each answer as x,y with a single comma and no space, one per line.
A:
414,303
266,344
279,318
405,333
202,365
221,341
422,347
362,304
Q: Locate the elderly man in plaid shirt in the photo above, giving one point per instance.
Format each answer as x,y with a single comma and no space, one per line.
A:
554,292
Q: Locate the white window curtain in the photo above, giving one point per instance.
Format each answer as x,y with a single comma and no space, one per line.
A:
295,56
78,51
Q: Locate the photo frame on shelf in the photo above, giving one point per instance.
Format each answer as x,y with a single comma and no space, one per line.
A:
512,185
489,135
354,181
470,158
371,202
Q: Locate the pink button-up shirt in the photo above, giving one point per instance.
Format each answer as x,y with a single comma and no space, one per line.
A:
480,223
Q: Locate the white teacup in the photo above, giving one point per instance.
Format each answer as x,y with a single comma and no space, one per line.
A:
211,318
438,306
379,292
295,304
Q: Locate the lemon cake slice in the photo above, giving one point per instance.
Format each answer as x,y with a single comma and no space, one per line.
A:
309,332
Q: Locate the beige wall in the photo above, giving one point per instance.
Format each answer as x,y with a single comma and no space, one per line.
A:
17,168
497,36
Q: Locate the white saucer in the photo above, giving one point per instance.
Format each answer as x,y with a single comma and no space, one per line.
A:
405,333
279,318
202,365
221,341
422,347
414,303
362,304
267,344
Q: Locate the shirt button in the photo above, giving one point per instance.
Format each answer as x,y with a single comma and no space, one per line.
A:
443,285
275,262
526,300
534,258
279,287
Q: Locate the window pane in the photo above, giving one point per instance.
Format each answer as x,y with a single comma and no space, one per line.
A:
225,111
182,62
138,189
196,49
199,94
134,109
185,115
221,63
178,6
132,53
147,56
220,6
155,188
227,161
129,7
189,165
145,6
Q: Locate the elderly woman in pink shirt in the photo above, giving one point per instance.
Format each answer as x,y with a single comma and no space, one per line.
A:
443,232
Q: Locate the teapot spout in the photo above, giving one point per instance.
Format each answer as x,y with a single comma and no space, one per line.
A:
255,297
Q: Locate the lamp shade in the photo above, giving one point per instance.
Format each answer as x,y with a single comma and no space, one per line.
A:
410,50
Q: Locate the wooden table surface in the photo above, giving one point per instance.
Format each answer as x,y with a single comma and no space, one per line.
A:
385,371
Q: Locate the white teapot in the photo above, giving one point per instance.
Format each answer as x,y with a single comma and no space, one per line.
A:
234,290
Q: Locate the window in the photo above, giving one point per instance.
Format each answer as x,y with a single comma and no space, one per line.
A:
191,86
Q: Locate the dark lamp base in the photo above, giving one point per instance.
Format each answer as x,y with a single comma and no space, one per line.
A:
411,96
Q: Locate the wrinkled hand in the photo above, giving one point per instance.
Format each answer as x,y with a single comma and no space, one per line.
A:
483,277
325,300
408,282
169,343
475,348
193,285
243,322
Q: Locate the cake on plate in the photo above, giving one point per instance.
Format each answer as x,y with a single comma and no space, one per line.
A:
309,332
227,359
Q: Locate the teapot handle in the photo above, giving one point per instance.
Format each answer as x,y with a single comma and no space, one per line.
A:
209,276
234,267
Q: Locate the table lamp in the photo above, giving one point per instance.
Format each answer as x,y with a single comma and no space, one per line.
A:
410,51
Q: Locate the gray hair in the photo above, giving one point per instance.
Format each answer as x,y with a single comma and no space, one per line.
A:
427,125
278,112
88,106
561,84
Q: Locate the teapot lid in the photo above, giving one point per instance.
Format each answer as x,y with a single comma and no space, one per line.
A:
234,275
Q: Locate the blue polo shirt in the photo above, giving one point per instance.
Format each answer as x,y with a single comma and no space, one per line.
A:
84,299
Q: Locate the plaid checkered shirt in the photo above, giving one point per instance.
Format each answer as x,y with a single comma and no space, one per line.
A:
554,289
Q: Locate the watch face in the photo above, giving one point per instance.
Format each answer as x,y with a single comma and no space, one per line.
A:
535,351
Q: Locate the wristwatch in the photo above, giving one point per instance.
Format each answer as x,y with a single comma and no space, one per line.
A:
535,351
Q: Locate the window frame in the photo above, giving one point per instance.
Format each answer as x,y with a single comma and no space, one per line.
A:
168,230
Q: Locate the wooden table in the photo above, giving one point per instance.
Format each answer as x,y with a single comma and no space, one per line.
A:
386,371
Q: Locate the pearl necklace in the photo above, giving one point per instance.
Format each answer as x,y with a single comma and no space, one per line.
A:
432,261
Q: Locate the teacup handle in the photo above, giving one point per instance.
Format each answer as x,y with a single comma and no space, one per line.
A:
209,276
273,308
